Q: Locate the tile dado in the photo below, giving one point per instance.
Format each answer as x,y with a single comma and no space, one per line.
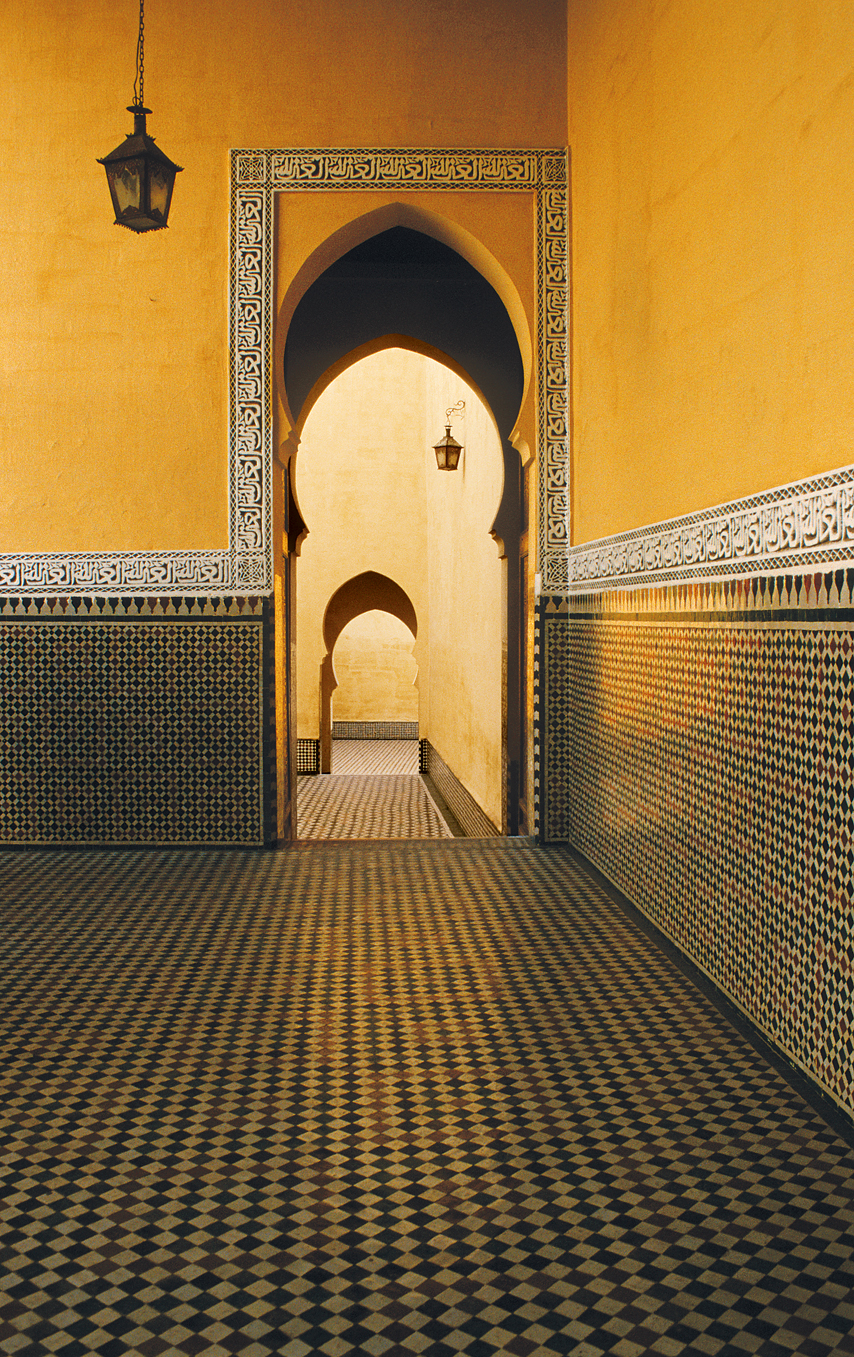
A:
707,768
375,730
136,729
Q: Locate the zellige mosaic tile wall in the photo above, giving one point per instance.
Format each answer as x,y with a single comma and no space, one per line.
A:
705,763
134,731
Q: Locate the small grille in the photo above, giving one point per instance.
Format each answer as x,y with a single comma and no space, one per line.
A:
308,756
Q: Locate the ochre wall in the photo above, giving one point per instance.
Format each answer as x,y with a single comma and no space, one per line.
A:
113,418
360,483
712,175
376,671
466,592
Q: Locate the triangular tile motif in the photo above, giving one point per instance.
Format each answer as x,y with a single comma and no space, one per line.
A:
812,592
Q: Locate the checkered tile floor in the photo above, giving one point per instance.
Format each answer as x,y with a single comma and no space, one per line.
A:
381,807
375,756
389,1098
373,792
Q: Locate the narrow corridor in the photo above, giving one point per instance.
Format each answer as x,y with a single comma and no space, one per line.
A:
415,1097
373,792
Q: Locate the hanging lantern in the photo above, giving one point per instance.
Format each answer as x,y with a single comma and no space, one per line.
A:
141,178
139,175
447,449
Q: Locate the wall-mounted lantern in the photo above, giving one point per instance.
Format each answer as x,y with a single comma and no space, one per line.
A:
447,449
139,175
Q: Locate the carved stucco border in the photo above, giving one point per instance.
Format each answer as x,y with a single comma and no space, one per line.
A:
800,528
246,567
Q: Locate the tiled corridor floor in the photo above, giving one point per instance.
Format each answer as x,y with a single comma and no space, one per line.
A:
375,757
390,1098
373,792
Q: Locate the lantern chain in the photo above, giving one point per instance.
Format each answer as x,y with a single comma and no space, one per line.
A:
139,82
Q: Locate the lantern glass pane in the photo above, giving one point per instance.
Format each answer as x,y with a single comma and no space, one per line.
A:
126,183
160,187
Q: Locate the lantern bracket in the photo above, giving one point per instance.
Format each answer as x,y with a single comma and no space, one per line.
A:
447,449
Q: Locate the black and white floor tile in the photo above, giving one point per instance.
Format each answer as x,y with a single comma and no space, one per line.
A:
375,757
389,1098
373,792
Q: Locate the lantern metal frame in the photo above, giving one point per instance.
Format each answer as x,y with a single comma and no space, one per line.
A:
448,450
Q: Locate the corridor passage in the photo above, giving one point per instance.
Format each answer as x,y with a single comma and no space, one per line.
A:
373,792
390,1098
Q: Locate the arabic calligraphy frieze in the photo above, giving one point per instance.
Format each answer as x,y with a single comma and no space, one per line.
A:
411,169
145,573
803,525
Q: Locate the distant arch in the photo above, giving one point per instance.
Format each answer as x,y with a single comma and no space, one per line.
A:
362,593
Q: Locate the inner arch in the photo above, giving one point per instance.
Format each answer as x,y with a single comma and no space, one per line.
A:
363,593
403,281
377,345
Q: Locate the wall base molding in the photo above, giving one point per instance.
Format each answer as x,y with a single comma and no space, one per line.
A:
472,819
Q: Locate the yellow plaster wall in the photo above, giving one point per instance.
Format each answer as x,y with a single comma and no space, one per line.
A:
712,176
113,349
360,483
462,708
373,499
376,671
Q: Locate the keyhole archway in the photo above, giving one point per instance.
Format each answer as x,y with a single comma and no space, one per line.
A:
366,592
404,283
507,211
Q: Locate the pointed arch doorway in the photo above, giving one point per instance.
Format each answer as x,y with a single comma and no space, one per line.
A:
363,593
406,281
285,205
369,488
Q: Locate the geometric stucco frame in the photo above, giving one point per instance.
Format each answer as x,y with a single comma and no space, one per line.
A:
246,566
256,175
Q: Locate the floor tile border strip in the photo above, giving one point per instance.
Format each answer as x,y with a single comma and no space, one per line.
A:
822,1101
515,844
442,807
431,798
